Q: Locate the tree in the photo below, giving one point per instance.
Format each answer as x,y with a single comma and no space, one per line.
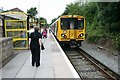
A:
43,22
32,11
72,9
54,20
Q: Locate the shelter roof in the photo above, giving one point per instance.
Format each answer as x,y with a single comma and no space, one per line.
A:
15,13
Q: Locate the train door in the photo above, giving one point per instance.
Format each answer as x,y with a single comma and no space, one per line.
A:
18,30
71,30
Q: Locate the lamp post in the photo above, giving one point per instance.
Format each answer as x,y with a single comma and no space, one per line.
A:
40,27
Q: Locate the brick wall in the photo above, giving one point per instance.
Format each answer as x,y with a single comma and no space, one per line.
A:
6,49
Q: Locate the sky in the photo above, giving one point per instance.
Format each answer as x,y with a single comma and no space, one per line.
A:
48,9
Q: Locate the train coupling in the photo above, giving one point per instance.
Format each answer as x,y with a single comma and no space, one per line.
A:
73,44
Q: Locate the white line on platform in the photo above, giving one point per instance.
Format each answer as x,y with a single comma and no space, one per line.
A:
75,74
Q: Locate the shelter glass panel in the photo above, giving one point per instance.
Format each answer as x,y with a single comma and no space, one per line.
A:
15,24
17,29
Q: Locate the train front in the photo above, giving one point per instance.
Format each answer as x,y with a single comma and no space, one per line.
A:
72,30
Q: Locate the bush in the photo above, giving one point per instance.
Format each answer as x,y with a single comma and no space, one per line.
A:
118,44
114,27
118,47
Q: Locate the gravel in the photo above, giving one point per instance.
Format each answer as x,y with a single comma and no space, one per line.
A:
108,58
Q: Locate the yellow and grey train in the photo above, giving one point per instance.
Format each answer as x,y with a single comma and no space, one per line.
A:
69,29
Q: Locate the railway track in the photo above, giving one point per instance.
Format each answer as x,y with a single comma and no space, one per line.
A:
88,67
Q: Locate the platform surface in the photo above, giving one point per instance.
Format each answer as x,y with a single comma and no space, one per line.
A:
54,63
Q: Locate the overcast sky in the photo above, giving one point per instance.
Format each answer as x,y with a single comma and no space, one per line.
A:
48,9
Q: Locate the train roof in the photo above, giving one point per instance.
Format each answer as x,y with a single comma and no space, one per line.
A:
67,16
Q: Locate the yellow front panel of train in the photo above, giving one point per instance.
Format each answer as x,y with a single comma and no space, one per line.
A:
71,28
72,34
80,35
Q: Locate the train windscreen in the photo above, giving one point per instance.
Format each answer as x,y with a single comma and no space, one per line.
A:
72,23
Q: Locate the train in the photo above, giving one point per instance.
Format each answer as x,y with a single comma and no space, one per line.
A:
69,30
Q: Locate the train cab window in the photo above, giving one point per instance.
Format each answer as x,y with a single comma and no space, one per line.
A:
65,23
80,23
72,23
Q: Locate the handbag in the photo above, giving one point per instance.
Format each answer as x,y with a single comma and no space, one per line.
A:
42,47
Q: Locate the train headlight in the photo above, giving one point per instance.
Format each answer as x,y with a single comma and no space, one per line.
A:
81,35
63,35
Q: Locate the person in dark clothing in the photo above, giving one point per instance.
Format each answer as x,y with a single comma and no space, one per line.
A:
35,43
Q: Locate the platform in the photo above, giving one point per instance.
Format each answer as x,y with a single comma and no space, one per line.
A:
54,63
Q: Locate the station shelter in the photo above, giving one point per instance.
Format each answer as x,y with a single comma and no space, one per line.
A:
17,27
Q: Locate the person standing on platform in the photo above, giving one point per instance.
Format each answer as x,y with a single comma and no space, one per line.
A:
35,43
23,35
44,33
31,30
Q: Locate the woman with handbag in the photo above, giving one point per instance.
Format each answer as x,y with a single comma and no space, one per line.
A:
35,43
